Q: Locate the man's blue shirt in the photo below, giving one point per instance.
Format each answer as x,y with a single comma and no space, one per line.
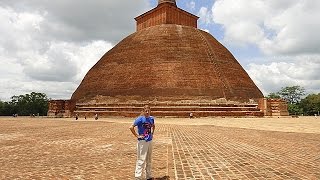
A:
144,126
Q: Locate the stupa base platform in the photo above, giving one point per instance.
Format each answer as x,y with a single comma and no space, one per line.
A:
170,110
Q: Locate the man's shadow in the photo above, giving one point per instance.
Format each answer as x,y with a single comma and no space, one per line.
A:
162,178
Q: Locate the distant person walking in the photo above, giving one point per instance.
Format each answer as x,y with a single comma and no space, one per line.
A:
146,126
96,117
77,116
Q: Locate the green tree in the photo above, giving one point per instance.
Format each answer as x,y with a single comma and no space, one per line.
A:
295,109
311,104
6,109
292,94
1,107
27,104
273,96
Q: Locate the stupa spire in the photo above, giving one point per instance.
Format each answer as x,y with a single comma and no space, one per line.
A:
166,12
167,1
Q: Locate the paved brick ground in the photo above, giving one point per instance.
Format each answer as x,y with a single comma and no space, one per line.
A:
105,149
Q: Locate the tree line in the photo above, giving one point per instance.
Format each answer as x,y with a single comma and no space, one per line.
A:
29,104
37,103
298,101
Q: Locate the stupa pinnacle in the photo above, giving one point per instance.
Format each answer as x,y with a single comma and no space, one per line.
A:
166,1
166,12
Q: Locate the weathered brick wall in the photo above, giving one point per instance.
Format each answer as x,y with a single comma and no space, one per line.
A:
273,107
59,108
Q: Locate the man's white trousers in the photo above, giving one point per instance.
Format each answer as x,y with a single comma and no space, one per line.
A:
144,152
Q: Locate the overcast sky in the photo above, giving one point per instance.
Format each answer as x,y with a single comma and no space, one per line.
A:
48,46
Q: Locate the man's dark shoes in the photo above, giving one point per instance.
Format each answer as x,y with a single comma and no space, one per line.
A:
150,179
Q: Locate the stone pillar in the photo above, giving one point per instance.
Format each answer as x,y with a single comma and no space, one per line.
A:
263,105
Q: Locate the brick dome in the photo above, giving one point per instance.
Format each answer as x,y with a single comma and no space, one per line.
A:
167,63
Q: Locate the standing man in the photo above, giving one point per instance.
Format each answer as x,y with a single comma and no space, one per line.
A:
145,124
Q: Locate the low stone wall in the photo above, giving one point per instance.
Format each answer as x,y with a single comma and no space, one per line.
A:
273,107
59,108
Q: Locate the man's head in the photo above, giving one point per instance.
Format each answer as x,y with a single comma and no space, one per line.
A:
146,110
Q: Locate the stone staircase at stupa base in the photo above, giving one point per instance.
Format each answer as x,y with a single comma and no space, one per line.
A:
170,110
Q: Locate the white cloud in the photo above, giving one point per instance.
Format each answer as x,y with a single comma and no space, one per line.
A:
86,56
286,27
49,46
65,62
191,5
286,34
83,20
205,15
287,71
243,33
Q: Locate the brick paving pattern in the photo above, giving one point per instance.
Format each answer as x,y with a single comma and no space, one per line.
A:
69,149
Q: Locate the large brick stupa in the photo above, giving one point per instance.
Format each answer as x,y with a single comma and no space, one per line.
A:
167,59
169,63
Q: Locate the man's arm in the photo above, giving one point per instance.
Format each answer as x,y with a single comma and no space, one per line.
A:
153,127
133,131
